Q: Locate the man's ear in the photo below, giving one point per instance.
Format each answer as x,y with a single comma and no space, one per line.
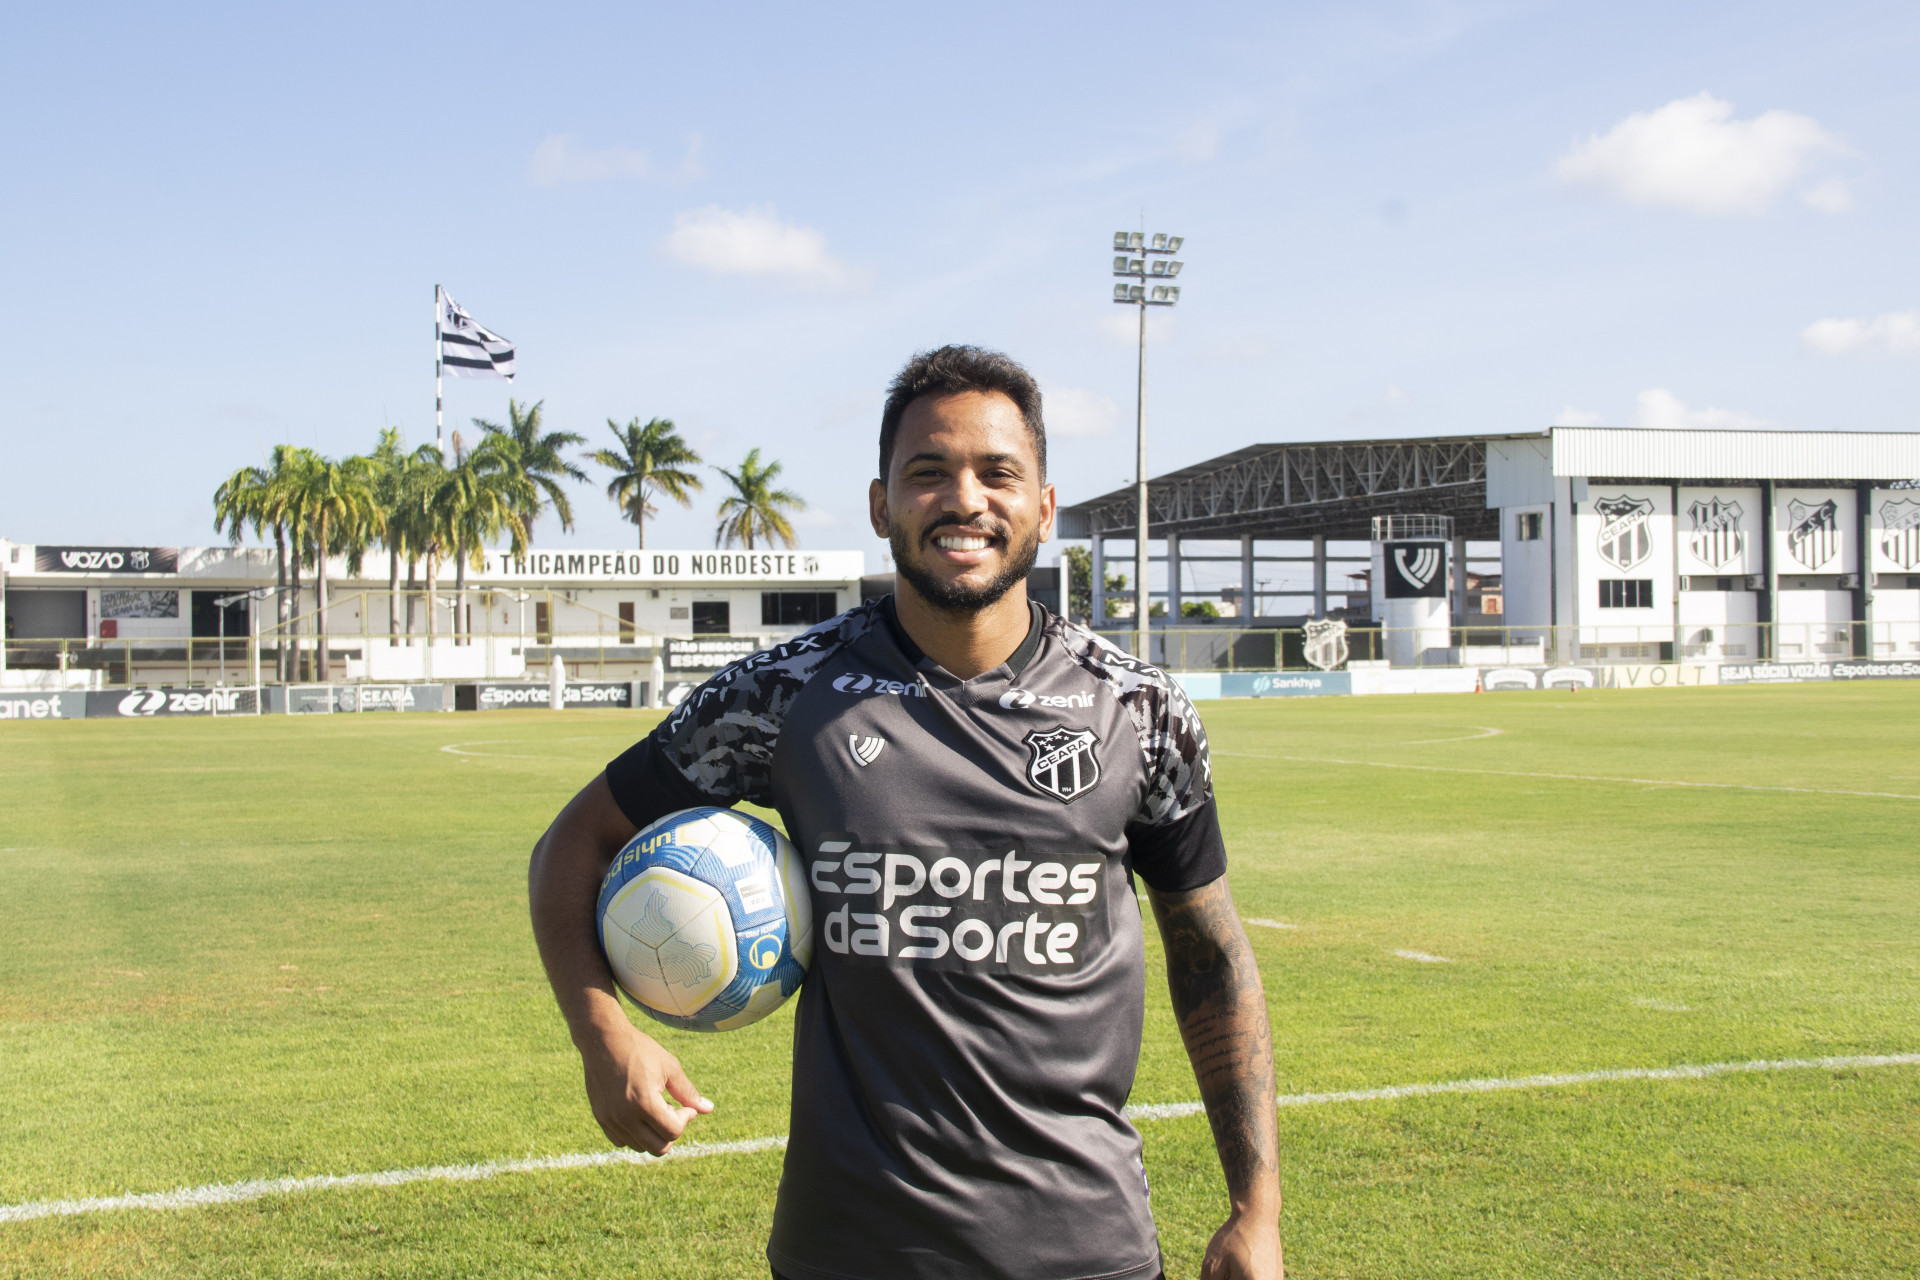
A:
877,509
1049,509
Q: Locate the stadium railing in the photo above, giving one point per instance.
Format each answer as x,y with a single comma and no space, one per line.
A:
601,646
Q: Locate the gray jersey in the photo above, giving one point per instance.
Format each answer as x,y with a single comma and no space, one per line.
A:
968,1034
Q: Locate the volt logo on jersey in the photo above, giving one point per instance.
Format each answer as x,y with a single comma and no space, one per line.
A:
1063,763
865,750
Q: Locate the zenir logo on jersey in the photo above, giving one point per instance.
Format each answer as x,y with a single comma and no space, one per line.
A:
864,750
1064,764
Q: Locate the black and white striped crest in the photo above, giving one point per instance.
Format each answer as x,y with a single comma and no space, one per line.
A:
469,351
1716,538
1064,764
1625,540
1813,531
1900,532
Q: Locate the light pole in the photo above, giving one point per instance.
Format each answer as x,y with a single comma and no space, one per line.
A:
1126,245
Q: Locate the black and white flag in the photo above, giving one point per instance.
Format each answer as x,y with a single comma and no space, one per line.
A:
469,351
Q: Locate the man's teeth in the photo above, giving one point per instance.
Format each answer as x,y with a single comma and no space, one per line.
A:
955,542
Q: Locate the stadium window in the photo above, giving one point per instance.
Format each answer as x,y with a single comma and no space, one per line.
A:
1527,526
712,618
626,622
1626,593
796,608
542,626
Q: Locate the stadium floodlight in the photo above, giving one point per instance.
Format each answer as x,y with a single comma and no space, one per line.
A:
1137,295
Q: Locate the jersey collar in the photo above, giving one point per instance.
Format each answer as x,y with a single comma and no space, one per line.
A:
1015,664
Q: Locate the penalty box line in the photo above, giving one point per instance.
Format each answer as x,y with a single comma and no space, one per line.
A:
260,1188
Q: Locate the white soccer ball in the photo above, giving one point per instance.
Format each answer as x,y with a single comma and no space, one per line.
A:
705,919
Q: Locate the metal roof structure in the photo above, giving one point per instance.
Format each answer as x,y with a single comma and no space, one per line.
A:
1757,455
1330,489
1333,489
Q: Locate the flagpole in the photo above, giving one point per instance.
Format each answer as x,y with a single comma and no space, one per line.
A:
438,443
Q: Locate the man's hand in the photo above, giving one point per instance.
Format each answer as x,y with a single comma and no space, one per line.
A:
1247,1248
626,1074
1221,1007
626,1071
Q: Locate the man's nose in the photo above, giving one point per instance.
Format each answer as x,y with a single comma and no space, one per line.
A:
966,496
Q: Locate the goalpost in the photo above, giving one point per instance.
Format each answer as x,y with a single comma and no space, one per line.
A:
232,700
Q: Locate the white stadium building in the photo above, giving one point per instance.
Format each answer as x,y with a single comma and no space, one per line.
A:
84,616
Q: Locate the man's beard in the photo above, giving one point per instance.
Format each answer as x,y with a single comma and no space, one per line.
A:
952,596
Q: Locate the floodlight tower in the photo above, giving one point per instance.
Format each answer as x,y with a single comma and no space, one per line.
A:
1154,261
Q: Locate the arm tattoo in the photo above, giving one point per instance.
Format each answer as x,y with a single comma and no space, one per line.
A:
1221,1009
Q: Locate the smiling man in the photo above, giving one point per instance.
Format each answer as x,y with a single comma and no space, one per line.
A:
974,783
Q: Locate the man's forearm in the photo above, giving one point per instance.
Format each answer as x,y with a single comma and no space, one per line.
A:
563,883
1221,1008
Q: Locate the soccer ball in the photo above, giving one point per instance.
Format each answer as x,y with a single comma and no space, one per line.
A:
705,919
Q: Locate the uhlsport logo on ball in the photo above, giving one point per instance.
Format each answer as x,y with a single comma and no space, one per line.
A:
705,919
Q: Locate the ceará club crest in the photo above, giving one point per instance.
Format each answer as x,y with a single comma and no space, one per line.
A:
1062,762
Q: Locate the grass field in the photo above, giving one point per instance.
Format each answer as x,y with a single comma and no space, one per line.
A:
246,949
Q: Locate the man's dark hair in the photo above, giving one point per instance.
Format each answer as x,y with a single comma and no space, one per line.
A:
955,369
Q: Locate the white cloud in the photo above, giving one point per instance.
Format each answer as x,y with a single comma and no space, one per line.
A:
1661,409
1572,417
1073,412
1895,331
1831,196
558,160
1693,155
755,242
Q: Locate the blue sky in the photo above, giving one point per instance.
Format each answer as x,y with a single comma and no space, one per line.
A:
221,226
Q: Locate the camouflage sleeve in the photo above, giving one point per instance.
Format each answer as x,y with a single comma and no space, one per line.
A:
1179,777
1173,841
721,739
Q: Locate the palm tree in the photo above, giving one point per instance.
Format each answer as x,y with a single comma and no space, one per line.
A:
340,515
391,464
651,459
539,458
756,510
263,497
484,494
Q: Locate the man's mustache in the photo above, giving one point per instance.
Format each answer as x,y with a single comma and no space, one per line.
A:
991,530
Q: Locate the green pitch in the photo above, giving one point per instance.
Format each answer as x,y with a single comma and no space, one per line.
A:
283,947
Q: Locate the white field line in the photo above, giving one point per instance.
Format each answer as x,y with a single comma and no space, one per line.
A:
1480,732
1269,924
1573,777
453,748
259,1188
1422,957
1174,1110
